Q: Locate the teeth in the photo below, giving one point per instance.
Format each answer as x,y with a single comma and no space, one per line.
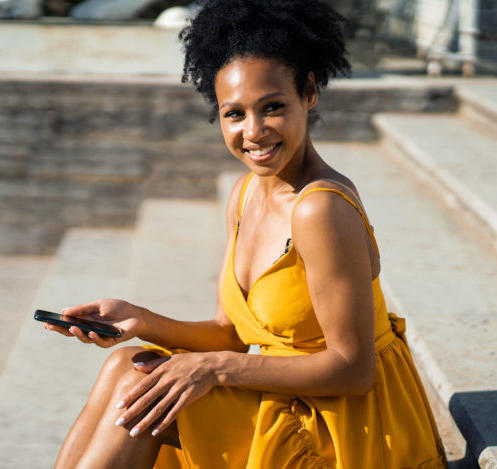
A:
263,151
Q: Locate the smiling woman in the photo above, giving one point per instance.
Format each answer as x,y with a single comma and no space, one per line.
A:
335,385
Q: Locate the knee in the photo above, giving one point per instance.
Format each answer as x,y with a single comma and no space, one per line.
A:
123,358
120,360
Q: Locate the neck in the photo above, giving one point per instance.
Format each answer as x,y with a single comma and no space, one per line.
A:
294,176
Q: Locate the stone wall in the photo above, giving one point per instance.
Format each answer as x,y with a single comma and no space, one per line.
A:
86,151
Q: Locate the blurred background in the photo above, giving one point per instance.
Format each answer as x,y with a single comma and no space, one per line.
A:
114,184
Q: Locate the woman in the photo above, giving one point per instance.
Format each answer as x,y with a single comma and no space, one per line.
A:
334,385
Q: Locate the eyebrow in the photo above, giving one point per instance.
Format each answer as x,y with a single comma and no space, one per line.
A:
267,96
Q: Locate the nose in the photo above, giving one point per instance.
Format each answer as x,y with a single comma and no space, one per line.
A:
254,128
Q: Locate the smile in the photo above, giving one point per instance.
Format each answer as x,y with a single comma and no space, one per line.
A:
262,154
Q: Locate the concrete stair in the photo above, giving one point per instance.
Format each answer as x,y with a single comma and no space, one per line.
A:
177,253
20,277
439,268
47,377
458,156
452,312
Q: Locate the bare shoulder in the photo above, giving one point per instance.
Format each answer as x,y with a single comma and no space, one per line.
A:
232,208
326,215
323,206
339,182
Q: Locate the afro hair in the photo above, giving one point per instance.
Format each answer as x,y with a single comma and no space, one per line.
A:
305,35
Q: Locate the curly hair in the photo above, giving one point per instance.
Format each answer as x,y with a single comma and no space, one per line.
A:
305,35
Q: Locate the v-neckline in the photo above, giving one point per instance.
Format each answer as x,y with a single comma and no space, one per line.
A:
262,274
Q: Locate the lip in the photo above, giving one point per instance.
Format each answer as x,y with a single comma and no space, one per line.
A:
263,158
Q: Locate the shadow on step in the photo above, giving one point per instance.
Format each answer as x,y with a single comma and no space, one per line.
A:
475,415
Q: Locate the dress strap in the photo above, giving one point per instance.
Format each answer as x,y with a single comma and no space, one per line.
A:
243,193
348,199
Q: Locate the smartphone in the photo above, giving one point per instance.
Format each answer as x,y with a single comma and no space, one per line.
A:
68,321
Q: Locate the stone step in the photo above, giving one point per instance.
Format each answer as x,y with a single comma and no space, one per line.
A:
83,184
177,253
102,161
47,377
479,100
458,157
35,214
20,277
45,108
440,275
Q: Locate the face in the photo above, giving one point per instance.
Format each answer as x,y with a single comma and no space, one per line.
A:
263,118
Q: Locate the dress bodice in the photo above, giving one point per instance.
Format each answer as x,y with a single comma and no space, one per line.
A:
278,313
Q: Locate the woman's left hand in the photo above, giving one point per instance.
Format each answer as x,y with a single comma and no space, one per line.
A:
171,384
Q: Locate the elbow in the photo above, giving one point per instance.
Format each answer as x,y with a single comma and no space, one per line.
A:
365,386
362,376
365,377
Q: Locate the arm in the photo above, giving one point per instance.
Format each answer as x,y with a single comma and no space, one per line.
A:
330,237
202,336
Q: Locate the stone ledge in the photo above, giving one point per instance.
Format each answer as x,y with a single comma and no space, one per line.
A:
425,141
473,411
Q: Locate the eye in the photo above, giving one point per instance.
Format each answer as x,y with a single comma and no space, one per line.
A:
233,114
272,107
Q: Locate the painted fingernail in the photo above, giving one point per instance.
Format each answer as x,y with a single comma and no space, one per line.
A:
120,421
120,405
155,432
139,363
135,431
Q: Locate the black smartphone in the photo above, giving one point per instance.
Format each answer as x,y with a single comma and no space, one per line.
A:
68,321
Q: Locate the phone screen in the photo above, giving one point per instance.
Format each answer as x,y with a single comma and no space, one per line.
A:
68,321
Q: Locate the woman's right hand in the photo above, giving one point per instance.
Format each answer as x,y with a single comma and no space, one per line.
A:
128,318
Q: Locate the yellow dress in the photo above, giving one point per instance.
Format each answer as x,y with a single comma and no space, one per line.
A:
391,427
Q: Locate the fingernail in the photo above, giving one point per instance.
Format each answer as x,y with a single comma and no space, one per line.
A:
155,432
120,405
120,421
135,431
139,363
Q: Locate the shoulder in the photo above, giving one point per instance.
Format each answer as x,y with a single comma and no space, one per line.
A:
326,198
327,216
234,198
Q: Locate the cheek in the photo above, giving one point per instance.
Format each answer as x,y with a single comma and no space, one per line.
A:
294,129
232,137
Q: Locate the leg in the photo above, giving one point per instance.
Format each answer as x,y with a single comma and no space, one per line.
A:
100,403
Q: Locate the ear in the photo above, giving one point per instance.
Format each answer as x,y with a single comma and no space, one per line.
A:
311,91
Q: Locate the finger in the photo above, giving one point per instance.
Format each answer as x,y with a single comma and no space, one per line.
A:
81,310
59,329
104,342
149,400
156,412
138,390
150,365
171,415
77,332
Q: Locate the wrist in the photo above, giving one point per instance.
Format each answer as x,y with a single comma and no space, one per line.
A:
143,315
223,363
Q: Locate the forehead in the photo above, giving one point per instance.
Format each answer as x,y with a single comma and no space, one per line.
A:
251,77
